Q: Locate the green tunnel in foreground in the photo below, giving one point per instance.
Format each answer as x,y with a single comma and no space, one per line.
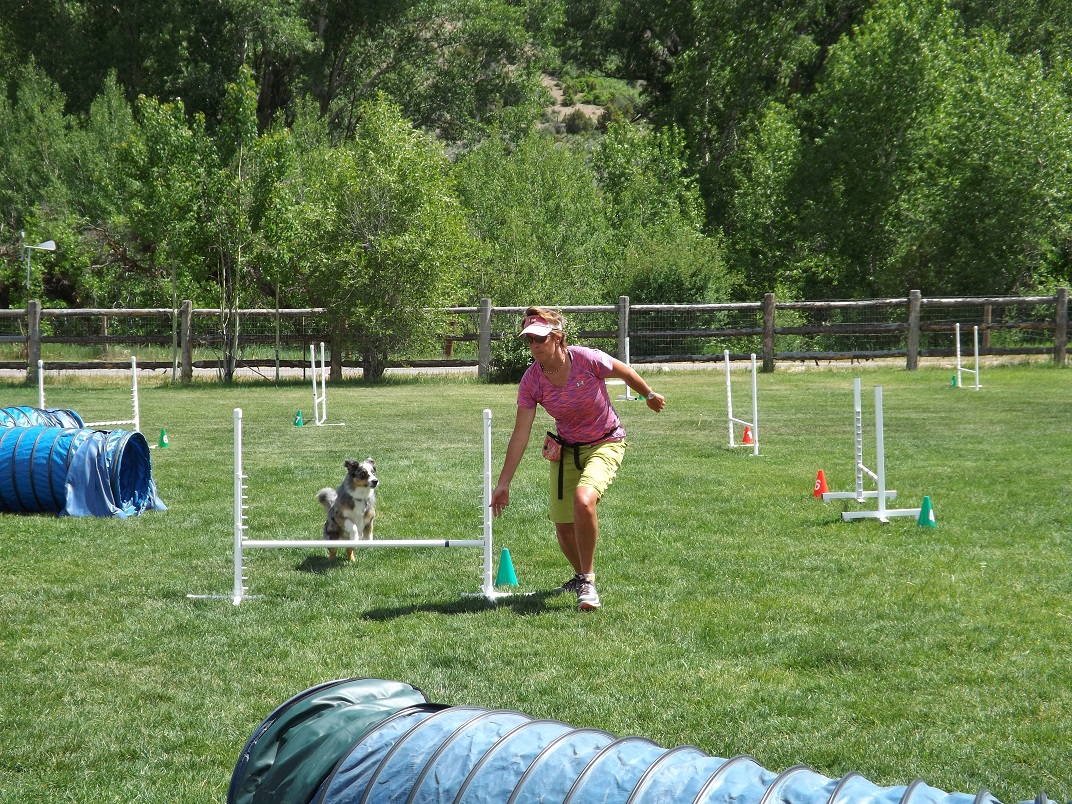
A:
371,740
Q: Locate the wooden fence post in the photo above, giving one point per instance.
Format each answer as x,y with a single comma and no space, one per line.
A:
1060,330
768,332
484,344
33,339
912,343
186,336
623,327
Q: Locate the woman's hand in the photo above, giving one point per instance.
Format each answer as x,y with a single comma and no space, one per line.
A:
500,498
656,402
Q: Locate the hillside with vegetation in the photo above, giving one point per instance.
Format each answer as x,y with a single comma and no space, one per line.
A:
382,157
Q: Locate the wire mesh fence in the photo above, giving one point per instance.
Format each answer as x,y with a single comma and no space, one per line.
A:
465,336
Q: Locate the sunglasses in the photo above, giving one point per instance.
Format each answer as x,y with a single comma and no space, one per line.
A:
530,339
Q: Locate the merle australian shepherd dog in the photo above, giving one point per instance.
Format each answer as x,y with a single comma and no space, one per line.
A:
351,508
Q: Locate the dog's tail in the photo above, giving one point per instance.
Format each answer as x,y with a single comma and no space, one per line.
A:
326,497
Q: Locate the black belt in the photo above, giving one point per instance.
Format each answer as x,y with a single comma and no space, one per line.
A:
576,452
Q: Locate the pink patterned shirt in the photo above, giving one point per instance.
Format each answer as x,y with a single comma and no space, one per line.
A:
582,410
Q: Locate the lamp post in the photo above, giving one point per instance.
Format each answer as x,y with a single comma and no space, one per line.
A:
48,245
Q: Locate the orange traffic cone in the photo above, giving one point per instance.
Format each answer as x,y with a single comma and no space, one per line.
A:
820,484
747,437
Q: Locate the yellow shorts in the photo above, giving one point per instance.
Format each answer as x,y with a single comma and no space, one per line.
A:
599,465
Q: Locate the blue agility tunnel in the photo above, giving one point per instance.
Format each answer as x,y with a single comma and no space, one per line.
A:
75,471
369,741
33,417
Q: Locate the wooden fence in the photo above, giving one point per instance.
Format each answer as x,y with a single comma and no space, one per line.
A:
907,328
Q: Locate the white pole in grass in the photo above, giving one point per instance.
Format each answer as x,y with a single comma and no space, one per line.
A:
959,382
880,455
134,392
976,358
858,418
489,583
729,394
41,384
755,409
239,508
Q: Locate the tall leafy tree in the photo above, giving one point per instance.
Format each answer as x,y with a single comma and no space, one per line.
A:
538,211
383,234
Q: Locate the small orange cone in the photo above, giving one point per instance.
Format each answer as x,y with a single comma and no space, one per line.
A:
747,437
820,484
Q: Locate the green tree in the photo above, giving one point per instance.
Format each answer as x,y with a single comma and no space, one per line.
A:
657,215
933,159
383,234
542,221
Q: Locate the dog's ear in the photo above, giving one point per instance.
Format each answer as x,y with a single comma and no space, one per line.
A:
370,462
350,465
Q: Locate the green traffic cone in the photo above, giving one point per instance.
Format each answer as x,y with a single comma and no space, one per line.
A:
953,382
164,443
505,576
298,420
926,515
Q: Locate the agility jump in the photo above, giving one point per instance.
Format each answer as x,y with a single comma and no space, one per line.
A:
750,436
242,543
320,395
960,368
878,474
136,421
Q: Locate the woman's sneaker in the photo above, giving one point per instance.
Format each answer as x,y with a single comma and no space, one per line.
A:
572,585
587,596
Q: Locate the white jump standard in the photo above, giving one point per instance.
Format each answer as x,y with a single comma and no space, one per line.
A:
752,427
960,369
320,395
242,543
878,475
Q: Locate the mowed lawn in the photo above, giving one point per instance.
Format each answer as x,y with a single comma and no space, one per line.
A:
740,614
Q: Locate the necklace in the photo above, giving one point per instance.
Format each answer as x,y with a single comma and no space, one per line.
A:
552,372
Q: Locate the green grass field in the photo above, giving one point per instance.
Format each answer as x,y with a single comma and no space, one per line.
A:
740,614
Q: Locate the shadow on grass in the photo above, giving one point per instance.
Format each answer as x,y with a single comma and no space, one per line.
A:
322,565
524,603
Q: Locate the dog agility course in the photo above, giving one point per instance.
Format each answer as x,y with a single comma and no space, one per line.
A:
372,741
741,616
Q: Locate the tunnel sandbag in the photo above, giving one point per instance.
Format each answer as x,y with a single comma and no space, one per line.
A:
471,755
75,472
40,417
298,745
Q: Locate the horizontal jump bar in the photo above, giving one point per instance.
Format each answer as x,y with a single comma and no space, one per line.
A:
347,544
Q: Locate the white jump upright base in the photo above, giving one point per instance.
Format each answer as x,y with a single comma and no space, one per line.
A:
878,475
751,426
960,368
242,543
136,420
320,395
